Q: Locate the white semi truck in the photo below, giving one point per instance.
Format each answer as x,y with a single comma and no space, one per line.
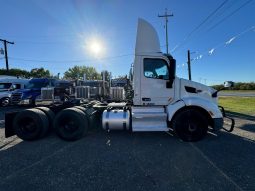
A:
161,102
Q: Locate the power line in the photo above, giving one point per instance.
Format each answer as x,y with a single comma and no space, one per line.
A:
224,10
69,61
43,36
200,25
43,43
230,40
229,15
202,54
113,57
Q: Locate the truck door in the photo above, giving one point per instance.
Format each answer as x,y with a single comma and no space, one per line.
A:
154,78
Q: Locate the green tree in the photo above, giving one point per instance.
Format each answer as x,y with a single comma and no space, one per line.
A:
218,87
77,72
15,72
238,86
40,73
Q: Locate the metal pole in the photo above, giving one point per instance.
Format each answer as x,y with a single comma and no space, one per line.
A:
166,36
166,21
6,56
189,67
5,52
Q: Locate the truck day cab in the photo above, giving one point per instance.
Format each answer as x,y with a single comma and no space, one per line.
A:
32,91
161,102
9,85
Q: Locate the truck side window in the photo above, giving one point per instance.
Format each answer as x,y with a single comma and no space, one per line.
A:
16,86
155,68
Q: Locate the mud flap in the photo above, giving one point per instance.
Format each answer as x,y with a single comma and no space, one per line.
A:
9,131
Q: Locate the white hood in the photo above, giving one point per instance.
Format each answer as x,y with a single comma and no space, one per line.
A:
202,91
147,40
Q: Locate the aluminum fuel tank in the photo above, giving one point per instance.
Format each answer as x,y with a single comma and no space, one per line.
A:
116,119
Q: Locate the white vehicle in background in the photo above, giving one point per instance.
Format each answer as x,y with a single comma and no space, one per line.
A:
7,85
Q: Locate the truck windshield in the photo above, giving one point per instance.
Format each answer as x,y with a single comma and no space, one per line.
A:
36,84
5,86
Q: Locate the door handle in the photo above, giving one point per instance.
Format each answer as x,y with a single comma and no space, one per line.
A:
146,99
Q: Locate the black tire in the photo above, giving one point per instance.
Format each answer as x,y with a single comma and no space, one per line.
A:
83,109
71,124
190,125
50,114
5,101
30,123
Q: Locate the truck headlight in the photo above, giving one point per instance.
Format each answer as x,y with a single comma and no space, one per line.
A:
24,101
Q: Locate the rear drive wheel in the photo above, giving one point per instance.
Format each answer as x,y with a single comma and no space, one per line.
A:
83,109
71,124
30,124
50,115
190,125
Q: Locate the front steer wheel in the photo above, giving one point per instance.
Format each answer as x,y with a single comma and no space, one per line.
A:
5,102
190,125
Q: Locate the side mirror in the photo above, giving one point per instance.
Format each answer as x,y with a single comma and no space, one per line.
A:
172,71
11,89
228,84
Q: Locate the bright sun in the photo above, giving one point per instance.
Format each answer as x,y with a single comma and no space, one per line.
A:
96,47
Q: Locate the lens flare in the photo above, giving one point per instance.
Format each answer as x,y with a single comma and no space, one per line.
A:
95,47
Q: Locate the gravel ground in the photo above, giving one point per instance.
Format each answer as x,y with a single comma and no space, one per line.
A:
130,161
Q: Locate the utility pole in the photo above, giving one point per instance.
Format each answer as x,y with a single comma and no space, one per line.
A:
189,67
5,52
166,15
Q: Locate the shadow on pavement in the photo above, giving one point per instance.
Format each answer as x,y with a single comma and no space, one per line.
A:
248,127
125,161
241,115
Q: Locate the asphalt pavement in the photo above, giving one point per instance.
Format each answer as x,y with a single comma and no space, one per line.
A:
130,161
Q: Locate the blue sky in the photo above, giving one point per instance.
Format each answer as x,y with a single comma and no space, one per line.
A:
55,34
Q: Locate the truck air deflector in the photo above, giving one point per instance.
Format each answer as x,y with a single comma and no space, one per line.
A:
147,40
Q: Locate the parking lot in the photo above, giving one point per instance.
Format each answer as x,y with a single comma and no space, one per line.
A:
126,161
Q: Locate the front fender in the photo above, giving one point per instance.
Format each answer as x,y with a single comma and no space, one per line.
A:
5,95
211,107
173,108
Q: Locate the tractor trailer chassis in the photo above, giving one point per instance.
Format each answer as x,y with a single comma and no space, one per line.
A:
72,120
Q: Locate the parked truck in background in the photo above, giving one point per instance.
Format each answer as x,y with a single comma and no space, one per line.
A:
9,85
161,102
33,89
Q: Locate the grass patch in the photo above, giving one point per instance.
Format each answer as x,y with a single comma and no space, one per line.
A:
243,105
238,91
